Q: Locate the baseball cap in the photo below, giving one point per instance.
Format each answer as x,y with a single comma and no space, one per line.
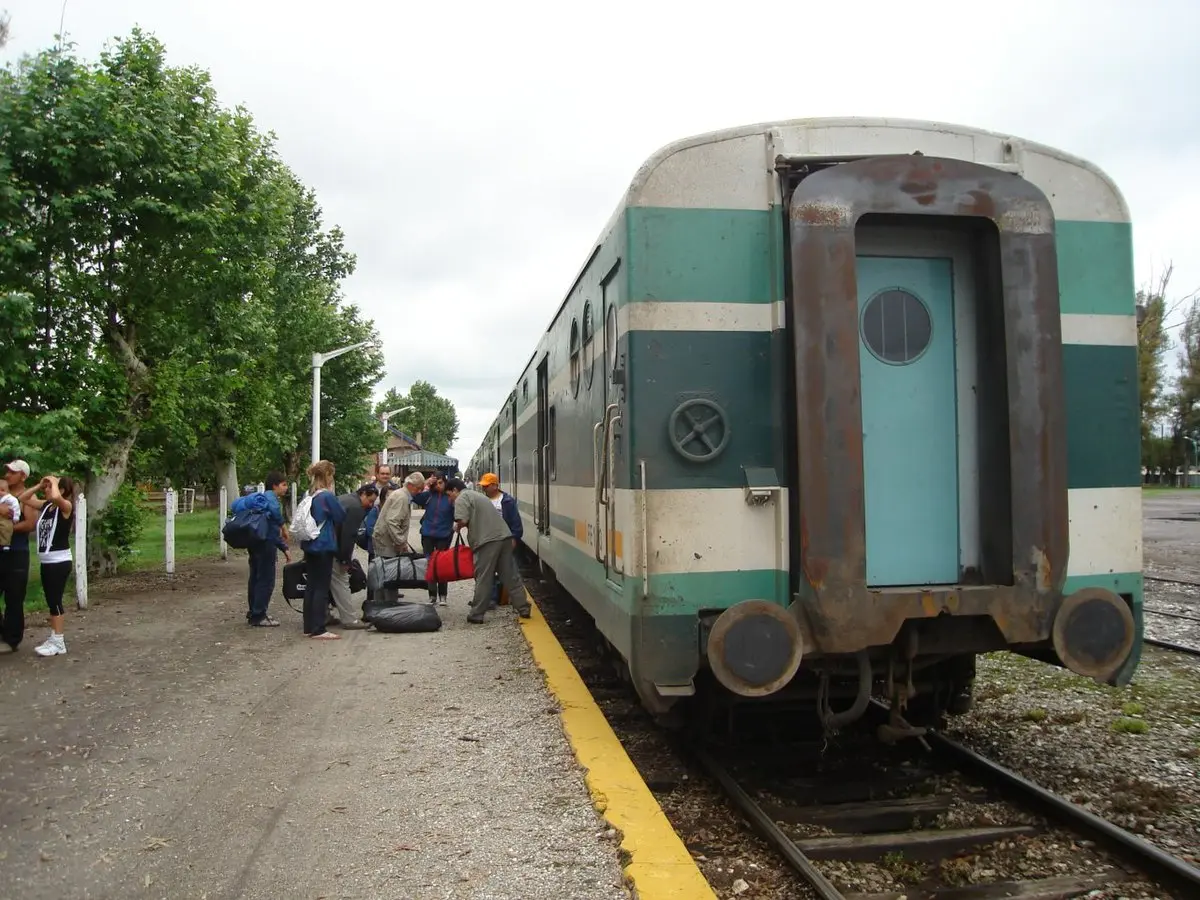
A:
19,465
488,478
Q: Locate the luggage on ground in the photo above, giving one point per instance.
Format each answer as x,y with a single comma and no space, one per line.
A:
377,603
407,617
455,564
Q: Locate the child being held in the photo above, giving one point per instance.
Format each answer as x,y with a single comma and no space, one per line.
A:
10,512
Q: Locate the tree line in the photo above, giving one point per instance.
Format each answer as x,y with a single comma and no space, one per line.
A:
1170,404
164,281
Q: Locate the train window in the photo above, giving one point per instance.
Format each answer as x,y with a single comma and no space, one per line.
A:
575,357
525,390
588,344
551,454
896,326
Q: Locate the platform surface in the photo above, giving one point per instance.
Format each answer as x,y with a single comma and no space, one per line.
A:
175,752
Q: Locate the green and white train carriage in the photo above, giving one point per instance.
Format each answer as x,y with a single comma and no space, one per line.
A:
839,398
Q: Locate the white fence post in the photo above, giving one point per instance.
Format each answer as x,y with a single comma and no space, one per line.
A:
170,509
293,501
221,523
81,552
261,487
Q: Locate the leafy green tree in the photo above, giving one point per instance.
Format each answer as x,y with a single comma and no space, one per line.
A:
1153,343
433,418
166,278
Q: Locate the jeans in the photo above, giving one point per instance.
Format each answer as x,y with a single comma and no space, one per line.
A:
262,580
316,591
14,580
428,545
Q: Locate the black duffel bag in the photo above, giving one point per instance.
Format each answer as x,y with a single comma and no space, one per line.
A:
408,618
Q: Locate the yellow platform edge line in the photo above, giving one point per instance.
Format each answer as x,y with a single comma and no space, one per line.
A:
658,866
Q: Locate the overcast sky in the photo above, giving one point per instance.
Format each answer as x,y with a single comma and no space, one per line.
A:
472,152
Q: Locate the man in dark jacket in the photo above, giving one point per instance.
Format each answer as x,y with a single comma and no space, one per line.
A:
356,506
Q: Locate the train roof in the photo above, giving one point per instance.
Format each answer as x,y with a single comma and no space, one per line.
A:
711,169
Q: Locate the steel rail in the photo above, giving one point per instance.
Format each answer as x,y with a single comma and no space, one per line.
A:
1170,615
1159,864
771,832
1169,645
1170,580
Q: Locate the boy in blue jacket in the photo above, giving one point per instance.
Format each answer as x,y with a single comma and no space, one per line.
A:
263,553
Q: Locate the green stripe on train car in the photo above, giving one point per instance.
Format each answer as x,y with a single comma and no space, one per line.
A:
1100,386
1095,267
724,256
717,255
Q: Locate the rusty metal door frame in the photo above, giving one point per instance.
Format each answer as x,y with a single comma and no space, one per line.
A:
824,210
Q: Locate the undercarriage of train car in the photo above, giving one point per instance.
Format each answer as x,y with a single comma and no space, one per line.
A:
929,513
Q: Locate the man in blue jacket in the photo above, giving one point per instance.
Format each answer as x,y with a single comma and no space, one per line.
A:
263,553
506,505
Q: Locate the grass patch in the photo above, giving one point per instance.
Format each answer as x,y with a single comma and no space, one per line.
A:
1130,726
1130,708
903,870
1037,714
196,536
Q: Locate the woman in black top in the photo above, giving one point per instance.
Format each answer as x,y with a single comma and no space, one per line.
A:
55,521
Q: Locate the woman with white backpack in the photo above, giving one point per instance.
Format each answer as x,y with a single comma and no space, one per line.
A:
315,526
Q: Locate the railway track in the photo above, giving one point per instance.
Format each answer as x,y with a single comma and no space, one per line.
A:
917,821
835,823
1174,616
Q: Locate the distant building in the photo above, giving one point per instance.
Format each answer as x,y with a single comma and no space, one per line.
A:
406,455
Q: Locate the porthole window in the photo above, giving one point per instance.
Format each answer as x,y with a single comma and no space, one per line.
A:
588,344
896,326
574,357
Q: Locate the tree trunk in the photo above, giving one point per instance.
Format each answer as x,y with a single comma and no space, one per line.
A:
227,476
99,491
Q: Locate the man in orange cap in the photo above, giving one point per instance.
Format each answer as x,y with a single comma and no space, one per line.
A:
506,505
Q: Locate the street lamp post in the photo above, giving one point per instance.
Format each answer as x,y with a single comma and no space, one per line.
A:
386,416
318,360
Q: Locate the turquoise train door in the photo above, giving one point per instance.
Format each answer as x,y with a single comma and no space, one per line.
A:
909,421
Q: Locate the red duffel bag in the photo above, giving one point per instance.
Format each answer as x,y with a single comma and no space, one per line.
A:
455,564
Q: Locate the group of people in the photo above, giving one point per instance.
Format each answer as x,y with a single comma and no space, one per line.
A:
46,511
377,518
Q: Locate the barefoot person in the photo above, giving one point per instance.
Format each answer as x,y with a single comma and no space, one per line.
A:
52,531
319,553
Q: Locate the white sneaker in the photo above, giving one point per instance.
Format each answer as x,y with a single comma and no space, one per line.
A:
54,645
442,601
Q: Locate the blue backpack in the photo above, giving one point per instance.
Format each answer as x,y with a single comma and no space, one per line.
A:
247,524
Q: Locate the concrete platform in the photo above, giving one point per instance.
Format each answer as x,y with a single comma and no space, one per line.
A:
175,752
